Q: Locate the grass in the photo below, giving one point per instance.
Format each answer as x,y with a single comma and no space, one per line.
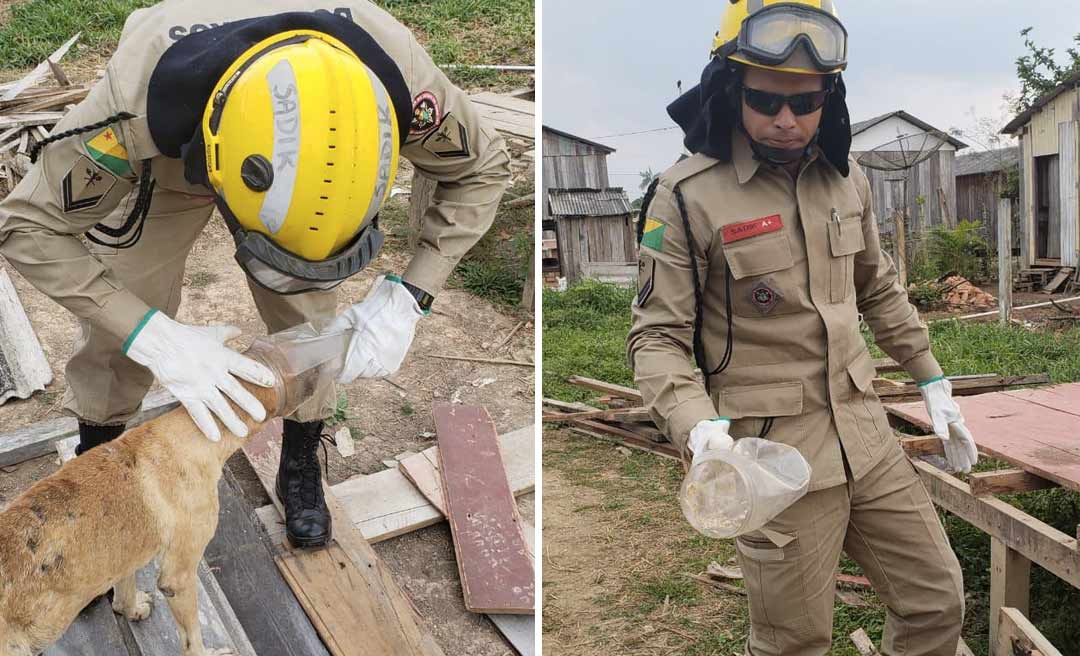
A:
341,411
453,32
585,330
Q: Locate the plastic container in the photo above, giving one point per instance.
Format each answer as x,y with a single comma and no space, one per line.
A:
733,492
304,361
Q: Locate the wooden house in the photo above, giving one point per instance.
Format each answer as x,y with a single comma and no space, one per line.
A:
587,226
924,194
1049,133
982,179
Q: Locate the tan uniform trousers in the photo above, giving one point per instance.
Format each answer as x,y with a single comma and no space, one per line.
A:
886,523
104,385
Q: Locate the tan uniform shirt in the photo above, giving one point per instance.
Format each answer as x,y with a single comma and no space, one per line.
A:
463,153
805,262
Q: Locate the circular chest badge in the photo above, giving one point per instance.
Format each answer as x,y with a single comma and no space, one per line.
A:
764,297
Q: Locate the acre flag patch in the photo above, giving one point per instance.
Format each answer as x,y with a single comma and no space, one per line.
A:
107,149
653,236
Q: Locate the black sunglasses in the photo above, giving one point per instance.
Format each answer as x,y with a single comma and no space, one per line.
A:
770,104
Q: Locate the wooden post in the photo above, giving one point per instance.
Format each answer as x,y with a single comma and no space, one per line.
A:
1010,583
899,239
528,294
1005,276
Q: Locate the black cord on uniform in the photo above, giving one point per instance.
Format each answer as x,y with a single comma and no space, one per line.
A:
100,125
645,202
136,220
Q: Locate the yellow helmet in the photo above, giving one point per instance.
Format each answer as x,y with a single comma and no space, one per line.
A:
302,147
768,33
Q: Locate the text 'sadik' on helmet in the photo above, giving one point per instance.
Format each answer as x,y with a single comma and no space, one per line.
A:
302,146
795,36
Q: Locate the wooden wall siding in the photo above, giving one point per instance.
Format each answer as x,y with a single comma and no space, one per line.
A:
591,239
1048,245
1070,191
1044,124
555,144
977,199
923,181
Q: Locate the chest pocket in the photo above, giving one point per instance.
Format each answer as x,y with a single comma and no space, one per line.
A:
845,240
761,268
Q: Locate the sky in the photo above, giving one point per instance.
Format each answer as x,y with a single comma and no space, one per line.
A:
610,66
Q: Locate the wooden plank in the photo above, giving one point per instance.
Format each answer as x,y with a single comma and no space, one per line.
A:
1017,635
423,471
607,388
863,643
887,366
40,439
963,386
40,71
504,101
1034,430
1034,539
29,120
96,632
625,415
348,592
1010,582
243,566
493,558
24,369
386,504
519,631
604,432
1006,481
158,634
916,447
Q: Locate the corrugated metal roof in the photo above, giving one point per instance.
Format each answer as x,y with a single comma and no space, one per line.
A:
589,202
988,161
863,126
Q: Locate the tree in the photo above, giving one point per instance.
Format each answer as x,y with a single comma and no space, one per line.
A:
1038,71
647,177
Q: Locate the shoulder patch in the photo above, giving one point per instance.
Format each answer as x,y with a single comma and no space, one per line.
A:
646,271
426,116
108,150
449,141
85,185
653,236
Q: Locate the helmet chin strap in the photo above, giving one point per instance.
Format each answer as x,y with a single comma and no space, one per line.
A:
778,156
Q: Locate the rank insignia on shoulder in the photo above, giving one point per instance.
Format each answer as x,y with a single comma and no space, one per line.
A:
448,141
653,235
85,185
426,116
107,149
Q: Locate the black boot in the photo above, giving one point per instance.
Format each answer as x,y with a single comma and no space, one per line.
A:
299,485
91,436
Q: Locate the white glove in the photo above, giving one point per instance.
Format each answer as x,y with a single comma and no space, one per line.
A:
949,425
194,364
384,325
709,435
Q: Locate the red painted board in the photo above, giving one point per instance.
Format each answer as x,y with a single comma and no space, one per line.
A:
493,557
1037,430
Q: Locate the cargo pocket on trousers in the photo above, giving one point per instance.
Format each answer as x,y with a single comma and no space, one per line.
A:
845,240
773,573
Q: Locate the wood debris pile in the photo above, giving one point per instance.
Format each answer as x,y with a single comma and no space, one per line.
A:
29,109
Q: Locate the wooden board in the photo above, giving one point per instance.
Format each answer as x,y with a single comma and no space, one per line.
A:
157,634
620,391
386,504
423,470
493,558
24,369
348,593
243,566
40,71
510,115
95,632
1017,635
1034,430
40,439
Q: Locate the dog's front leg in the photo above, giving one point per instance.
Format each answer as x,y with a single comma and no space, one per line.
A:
129,601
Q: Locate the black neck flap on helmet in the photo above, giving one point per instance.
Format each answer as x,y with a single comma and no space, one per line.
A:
711,111
189,70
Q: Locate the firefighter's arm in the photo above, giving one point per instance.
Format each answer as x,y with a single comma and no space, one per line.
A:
882,300
66,193
660,343
450,142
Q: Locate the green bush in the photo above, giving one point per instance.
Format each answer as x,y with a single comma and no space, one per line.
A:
960,250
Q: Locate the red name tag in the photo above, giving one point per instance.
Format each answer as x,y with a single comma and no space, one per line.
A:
752,228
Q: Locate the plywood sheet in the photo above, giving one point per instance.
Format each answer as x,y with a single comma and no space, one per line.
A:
24,369
1033,429
493,557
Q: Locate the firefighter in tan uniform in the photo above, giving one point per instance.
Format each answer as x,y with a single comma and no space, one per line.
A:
759,256
289,116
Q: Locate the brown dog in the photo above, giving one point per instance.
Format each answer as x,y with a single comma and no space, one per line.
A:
152,493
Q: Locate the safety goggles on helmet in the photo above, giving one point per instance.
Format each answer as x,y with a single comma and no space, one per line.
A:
770,104
770,36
